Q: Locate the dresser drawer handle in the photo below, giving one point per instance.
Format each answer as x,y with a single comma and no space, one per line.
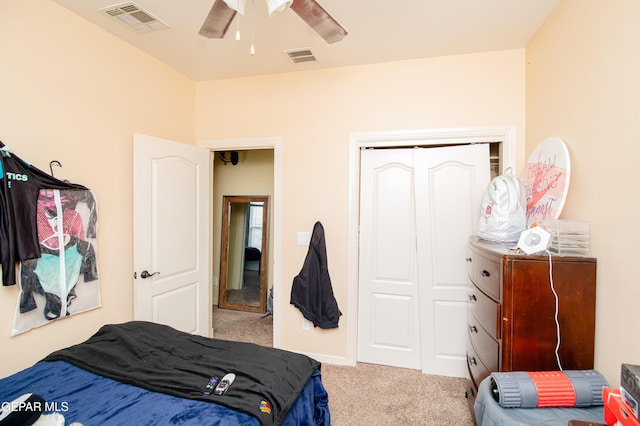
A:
472,360
485,273
469,260
473,329
472,298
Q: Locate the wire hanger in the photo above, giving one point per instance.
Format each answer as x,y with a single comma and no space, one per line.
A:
53,163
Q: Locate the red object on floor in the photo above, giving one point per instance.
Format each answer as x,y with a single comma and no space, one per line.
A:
554,389
616,410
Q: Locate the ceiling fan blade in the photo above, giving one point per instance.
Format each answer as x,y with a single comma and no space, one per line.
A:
217,21
319,19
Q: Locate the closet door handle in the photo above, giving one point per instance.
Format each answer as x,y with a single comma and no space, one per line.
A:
145,274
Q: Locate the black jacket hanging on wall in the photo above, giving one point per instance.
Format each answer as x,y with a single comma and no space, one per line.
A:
312,292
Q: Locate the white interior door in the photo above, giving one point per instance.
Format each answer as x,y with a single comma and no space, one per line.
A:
171,234
450,183
417,210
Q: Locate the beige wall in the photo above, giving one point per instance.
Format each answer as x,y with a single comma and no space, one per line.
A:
73,93
583,86
315,112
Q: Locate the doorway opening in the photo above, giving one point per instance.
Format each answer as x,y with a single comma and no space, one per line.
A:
240,191
247,150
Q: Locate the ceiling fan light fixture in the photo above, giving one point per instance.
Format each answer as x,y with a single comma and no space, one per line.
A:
237,5
223,11
277,5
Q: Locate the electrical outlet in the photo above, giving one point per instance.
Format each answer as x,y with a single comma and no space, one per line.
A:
306,324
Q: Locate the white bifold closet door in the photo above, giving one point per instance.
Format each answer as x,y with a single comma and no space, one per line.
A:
418,207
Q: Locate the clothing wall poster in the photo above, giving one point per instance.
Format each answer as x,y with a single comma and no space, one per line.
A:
546,180
64,280
48,226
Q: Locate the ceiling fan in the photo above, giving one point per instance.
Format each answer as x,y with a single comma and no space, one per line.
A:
223,11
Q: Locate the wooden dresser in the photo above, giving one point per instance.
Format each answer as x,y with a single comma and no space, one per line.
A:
512,311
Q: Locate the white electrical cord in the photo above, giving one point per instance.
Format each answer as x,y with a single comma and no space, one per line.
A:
556,311
252,50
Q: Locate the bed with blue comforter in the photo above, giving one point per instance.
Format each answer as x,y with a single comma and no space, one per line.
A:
150,374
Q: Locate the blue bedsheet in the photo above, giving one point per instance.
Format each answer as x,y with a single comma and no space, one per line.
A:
81,396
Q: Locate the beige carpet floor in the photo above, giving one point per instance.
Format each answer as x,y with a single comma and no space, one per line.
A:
367,394
243,326
378,395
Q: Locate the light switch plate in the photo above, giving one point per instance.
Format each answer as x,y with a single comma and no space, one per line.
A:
304,238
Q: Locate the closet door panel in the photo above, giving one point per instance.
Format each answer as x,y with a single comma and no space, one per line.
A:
388,312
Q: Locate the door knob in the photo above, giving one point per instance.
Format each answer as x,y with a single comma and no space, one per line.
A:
146,274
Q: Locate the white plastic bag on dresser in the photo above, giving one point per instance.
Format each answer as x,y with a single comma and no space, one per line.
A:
503,213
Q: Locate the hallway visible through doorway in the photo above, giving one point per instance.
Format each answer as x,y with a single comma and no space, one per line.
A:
243,326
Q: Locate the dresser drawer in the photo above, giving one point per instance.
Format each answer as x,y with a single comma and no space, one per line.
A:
485,274
485,346
485,310
476,367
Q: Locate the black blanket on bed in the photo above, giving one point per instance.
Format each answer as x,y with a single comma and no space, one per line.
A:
161,359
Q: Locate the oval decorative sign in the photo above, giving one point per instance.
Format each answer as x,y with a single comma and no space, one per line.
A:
546,180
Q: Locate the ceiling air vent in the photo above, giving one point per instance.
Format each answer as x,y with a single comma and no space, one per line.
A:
134,17
300,55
